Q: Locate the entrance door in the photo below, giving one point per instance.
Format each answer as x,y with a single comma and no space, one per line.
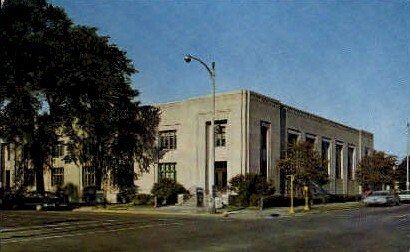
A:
221,174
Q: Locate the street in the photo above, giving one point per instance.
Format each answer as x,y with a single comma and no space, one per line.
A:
364,229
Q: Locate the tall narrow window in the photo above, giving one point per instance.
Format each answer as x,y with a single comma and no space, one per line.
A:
293,137
8,179
8,152
168,139
29,177
311,141
57,176
326,154
57,151
220,133
88,176
221,178
167,170
350,162
264,148
367,152
339,161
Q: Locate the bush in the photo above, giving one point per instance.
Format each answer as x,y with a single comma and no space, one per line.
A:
71,192
167,190
127,194
250,186
143,200
90,194
281,201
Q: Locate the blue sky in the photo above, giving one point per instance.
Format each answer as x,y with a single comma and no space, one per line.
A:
347,61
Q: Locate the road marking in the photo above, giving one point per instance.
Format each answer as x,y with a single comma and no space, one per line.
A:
400,216
44,226
66,228
15,240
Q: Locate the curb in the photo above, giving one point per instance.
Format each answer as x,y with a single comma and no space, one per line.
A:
251,214
299,212
150,212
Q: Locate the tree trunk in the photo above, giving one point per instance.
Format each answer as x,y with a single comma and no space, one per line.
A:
39,177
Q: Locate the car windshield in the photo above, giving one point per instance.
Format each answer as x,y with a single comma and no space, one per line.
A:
380,193
404,192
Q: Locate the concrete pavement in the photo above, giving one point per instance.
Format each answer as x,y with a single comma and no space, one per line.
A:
244,213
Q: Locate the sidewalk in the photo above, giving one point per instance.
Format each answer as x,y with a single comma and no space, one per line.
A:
245,213
280,212
146,210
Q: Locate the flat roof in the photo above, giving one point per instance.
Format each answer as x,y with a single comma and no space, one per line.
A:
270,99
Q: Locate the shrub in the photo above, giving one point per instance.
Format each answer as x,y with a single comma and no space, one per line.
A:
143,199
281,201
70,191
127,194
167,190
90,194
250,186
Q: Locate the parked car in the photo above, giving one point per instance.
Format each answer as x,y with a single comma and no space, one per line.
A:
381,198
404,196
46,200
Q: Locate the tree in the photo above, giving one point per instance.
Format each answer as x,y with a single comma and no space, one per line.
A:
376,170
30,35
60,79
306,164
401,173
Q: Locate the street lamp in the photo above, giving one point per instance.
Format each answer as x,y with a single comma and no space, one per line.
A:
407,157
211,70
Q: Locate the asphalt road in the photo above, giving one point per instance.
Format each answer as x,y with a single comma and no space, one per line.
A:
364,229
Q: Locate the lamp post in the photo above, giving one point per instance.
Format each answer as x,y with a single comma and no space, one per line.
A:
211,70
292,209
407,157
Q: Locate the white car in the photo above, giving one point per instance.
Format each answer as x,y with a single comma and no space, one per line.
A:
381,198
404,196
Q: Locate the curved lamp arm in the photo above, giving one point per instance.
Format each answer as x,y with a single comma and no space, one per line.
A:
211,71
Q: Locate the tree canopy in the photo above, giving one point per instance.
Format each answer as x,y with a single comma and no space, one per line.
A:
303,161
59,79
375,170
401,173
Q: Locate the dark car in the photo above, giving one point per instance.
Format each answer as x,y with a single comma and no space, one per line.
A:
36,200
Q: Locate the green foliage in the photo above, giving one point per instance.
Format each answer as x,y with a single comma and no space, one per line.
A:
167,191
375,170
401,173
250,187
306,164
89,194
71,192
60,79
143,200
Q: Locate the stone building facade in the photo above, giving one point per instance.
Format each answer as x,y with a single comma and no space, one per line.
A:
252,130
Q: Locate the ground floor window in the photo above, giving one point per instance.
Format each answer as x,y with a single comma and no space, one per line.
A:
167,170
88,176
8,179
57,176
29,177
221,178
